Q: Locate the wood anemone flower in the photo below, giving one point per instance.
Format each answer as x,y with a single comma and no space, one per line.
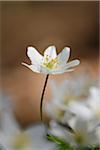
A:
50,63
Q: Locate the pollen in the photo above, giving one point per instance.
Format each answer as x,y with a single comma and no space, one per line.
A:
50,63
66,99
79,138
20,141
59,113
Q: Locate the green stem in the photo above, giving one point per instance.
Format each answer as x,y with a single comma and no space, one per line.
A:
92,147
42,96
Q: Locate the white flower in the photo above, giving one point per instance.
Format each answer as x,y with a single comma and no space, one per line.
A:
55,110
74,88
12,137
88,110
94,101
94,105
68,99
81,135
78,109
39,139
50,63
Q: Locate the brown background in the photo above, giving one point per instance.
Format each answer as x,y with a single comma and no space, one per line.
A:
74,24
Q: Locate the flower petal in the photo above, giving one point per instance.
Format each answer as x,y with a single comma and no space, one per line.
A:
34,68
9,125
64,55
60,132
38,136
34,55
72,63
56,130
51,52
80,110
61,70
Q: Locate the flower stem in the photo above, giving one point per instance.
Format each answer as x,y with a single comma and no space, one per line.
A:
42,96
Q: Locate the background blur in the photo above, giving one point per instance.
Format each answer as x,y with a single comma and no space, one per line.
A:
40,24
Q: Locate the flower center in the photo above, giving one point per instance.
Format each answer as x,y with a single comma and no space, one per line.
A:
50,63
59,113
79,138
67,99
20,142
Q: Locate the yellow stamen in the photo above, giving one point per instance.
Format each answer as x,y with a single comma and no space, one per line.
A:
67,99
79,138
50,63
59,113
20,141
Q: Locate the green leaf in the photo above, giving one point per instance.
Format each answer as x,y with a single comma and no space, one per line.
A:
61,144
55,139
64,147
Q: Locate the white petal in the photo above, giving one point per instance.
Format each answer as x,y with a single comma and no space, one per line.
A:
57,71
65,68
3,141
64,55
80,110
81,125
39,141
51,52
45,70
34,55
60,132
61,70
72,63
9,124
93,138
57,130
34,68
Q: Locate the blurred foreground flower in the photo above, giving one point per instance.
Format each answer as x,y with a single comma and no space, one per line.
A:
68,98
12,137
94,102
81,135
89,109
50,63
82,128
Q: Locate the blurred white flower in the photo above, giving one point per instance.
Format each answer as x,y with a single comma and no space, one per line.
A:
68,99
89,109
94,101
74,88
55,110
5,101
50,63
39,139
79,109
5,105
12,137
81,135
93,104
